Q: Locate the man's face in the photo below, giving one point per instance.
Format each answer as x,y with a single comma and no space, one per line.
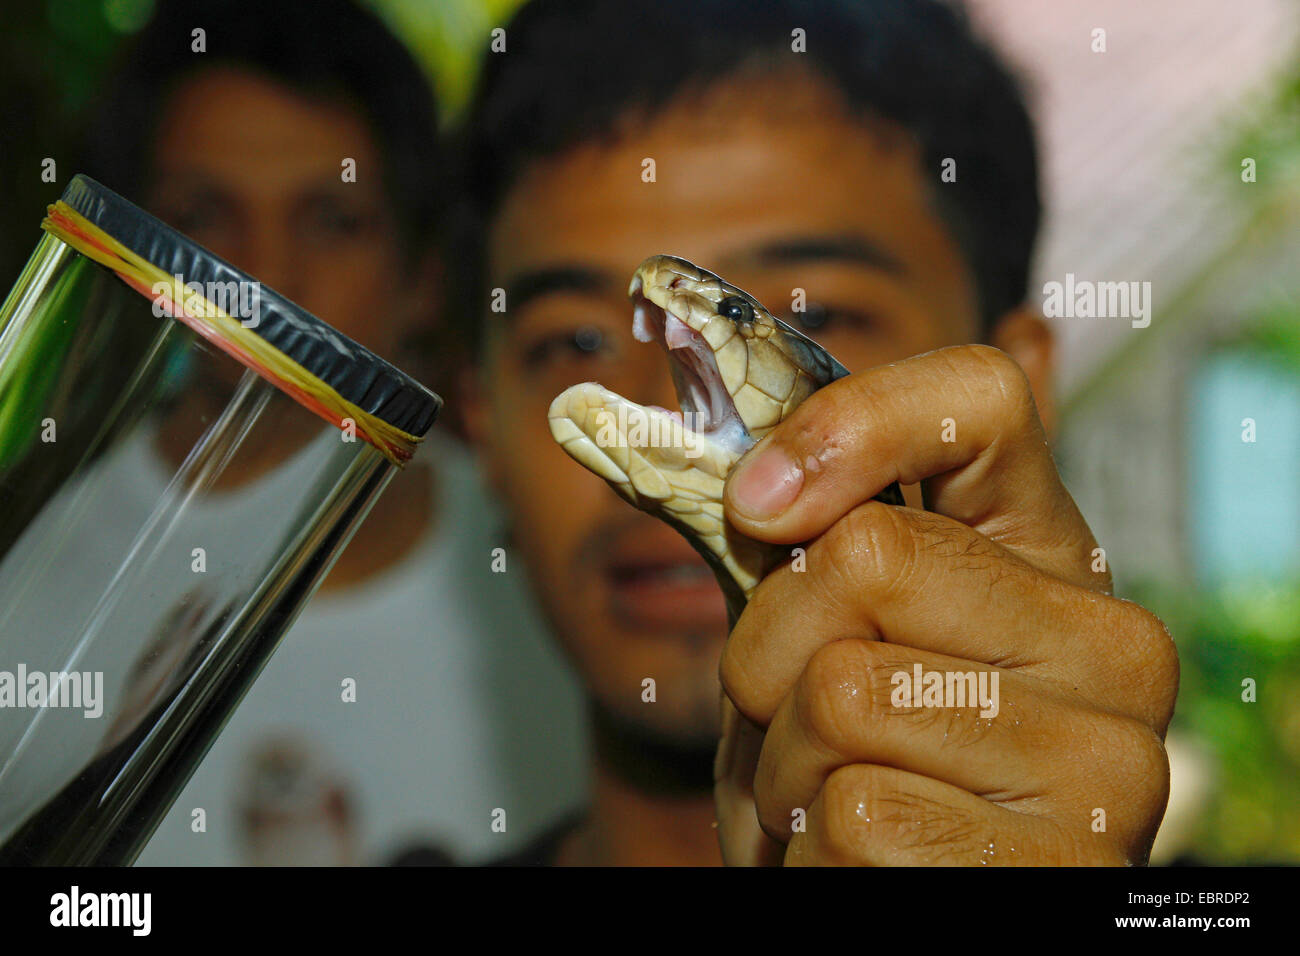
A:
769,184
251,169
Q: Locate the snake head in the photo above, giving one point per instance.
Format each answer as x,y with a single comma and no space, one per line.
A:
738,371
731,359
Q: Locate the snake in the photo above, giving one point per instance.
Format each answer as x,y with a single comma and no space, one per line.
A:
738,372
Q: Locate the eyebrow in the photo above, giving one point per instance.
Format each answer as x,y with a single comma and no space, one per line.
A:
527,286
848,248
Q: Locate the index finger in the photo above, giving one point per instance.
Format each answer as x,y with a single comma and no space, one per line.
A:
961,420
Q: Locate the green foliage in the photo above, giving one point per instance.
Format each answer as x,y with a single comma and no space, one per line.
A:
1224,638
450,37
1270,134
33,361
1277,333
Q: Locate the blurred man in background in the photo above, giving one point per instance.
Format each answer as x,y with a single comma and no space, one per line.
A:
878,156
301,144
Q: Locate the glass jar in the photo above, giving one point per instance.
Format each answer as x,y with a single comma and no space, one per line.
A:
183,455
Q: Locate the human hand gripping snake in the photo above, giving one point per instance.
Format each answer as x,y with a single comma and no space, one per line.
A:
739,372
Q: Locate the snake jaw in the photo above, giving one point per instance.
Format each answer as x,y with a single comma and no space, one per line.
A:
653,457
704,393
733,381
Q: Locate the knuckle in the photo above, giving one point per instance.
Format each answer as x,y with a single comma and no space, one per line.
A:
866,805
745,666
1161,648
846,810
872,545
1004,377
836,694
1152,755
774,819
1155,656
1147,763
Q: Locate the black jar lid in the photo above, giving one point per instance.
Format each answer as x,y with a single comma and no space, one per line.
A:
355,373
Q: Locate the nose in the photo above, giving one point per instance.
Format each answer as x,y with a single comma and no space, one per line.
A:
268,255
273,267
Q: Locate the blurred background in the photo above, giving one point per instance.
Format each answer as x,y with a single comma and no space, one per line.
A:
1173,157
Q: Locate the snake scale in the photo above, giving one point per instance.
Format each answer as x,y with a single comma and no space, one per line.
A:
738,372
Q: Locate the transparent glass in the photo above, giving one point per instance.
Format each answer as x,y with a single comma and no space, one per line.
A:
164,515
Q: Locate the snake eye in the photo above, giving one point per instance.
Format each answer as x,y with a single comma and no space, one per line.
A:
736,308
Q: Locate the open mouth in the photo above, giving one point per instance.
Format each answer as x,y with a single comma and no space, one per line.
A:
659,582
706,405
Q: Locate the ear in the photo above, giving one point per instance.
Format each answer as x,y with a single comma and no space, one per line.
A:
1026,337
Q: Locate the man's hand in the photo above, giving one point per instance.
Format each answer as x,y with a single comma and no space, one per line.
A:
999,575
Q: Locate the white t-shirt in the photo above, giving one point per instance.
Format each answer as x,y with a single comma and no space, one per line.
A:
464,712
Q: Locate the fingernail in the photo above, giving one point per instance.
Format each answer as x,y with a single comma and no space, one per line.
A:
766,484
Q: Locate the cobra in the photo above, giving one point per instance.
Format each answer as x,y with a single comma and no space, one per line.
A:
738,372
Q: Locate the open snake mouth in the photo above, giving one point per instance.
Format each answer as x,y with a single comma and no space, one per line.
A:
707,408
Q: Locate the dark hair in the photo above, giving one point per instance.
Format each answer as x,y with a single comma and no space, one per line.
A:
574,68
330,48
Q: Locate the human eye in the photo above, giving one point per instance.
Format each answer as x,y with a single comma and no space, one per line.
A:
822,318
201,215
336,219
572,346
